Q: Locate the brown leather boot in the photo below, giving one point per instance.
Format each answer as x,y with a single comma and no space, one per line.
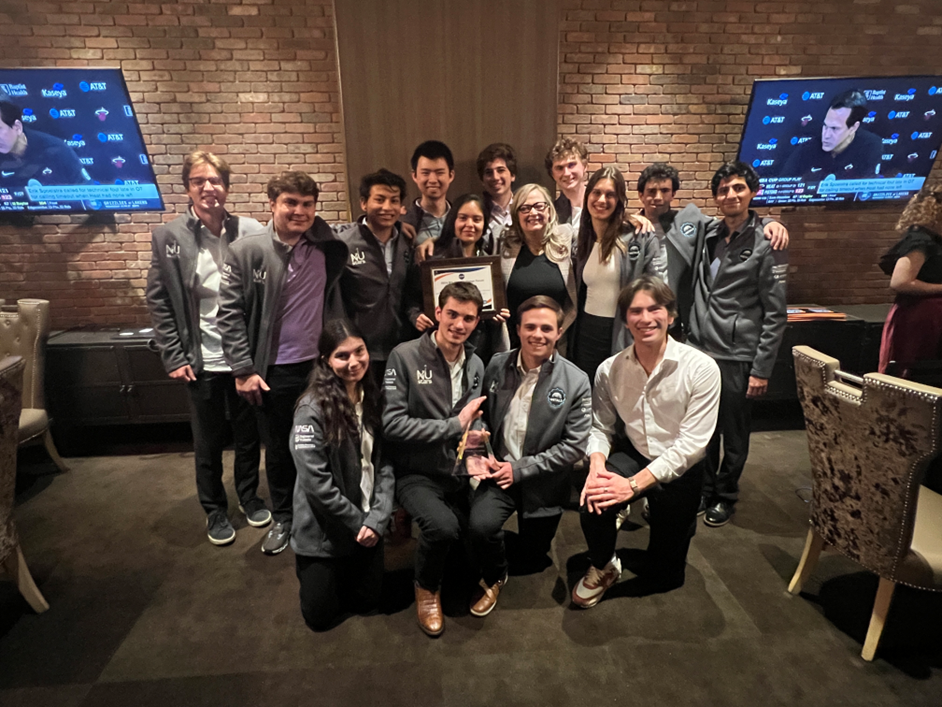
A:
428,606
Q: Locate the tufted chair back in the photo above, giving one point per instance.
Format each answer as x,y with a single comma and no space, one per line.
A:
869,447
11,382
24,328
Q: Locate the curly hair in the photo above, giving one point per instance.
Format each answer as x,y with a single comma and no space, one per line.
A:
330,393
924,209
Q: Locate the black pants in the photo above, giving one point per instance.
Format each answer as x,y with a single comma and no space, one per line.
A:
215,409
331,587
440,507
673,519
733,425
491,506
594,342
286,382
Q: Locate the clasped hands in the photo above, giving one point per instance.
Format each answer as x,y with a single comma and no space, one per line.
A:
604,489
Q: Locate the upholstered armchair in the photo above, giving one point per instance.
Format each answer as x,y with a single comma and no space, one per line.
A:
24,329
11,556
870,440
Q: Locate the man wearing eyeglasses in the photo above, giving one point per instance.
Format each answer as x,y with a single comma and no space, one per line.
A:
182,289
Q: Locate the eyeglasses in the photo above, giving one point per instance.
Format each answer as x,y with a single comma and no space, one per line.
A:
539,208
199,182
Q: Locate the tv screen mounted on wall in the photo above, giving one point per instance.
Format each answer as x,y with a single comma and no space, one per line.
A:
70,143
842,140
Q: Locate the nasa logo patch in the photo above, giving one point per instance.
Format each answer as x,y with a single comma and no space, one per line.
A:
556,397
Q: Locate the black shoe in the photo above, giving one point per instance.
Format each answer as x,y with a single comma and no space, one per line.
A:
718,514
704,504
277,539
219,529
256,514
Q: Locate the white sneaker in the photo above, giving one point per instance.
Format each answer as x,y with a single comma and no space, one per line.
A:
590,589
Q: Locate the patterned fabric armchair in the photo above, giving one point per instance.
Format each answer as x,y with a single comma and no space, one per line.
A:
11,556
24,329
870,441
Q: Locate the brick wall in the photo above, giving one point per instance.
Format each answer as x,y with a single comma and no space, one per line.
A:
657,80
257,81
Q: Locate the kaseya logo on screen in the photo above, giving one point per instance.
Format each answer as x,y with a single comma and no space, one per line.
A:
782,100
57,91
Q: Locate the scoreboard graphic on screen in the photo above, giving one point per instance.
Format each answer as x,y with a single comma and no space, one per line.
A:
70,142
842,140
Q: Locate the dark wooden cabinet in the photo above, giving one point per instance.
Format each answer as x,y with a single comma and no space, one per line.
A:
110,377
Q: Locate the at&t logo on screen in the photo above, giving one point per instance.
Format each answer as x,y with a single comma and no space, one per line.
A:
812,96
110,137
773,119
897,114
799,140
763,163
61,113
782,100
920,136
86,86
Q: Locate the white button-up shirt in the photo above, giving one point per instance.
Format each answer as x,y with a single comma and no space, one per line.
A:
456,369
669,416
518,413
366,465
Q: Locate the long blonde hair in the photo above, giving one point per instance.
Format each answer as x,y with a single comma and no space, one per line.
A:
557,241
924,209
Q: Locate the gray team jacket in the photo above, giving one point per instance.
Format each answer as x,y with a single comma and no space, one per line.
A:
327,509
419,422
372,297
171,286
558,427
252,279
740,316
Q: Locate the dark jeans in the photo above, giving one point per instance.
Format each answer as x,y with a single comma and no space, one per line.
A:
733,425
276,417
440,507
491,506
673,519
332,586
215,408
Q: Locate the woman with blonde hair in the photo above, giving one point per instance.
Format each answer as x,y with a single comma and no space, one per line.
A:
536,256
913,329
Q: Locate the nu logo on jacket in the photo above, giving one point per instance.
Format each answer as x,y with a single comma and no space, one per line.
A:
423,377
358,257
259,275
173,250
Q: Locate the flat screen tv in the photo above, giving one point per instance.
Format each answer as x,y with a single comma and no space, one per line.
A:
850,140
70,143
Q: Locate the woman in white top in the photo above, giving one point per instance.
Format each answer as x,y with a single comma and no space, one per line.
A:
344,492
609,254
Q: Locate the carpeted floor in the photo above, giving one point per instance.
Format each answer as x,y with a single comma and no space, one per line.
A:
144,611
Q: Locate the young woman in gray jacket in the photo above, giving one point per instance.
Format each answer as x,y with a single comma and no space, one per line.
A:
343,495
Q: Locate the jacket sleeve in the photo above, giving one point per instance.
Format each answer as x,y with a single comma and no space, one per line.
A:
398,425
161,314
384,482
575,439
310,452
772,292
231,317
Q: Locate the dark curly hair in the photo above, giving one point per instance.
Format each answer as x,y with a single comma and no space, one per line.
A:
448,245
330,393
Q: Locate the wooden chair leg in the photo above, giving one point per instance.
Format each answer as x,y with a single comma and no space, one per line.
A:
15,565
53,452
814,544
881,607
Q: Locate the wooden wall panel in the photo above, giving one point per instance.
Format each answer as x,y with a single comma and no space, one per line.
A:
468,73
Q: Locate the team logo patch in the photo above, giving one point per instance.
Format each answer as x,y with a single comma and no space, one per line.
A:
634,252
423,377
259,275
358,257
688,229
173,250
744,256
556,397
493,387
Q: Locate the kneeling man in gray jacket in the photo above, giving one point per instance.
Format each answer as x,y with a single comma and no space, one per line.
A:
539,411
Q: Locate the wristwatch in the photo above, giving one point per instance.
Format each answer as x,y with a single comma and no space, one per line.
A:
633,484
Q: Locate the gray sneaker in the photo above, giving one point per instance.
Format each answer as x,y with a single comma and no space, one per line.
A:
218,528
277,539
257,515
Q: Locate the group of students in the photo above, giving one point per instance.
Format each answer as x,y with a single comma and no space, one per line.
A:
314,339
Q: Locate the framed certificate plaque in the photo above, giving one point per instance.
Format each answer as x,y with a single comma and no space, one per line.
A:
483,272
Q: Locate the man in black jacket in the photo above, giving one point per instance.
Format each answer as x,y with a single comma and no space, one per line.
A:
182,289
278,286
539,410
377,266
433,385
